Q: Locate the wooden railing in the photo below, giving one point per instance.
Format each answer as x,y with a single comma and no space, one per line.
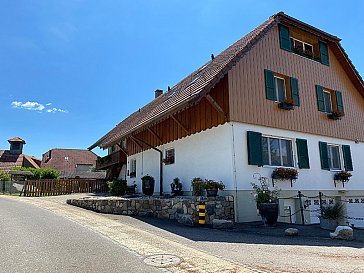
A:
48,187
109,160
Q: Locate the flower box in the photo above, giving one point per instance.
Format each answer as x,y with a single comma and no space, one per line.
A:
286,105
336,115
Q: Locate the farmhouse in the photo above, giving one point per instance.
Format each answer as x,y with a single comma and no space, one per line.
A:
285,95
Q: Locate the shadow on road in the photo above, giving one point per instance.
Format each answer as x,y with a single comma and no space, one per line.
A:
257,233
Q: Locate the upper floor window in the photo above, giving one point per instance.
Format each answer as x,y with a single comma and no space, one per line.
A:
281,88
300,47
330,102
277,151
318,50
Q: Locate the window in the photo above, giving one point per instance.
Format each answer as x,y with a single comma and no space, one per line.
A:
66,158
334,157
124,144
132,168
277,152
113,148
301,47
327,101
280,89
169,158
15,146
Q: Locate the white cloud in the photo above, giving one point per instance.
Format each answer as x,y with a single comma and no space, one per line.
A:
54,110
36,106
29,105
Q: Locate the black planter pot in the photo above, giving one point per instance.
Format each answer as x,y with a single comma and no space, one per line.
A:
269,211
211,192
148,186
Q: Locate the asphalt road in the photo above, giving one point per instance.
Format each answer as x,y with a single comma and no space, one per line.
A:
36,240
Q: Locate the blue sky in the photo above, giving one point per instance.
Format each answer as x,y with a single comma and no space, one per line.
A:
71,70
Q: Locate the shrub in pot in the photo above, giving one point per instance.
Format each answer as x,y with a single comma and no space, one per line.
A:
212,187
331,215
197,186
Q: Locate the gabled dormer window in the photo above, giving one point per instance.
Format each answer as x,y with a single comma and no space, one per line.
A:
302,43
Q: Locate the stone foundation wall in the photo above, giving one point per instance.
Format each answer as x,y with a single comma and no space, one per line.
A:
177,208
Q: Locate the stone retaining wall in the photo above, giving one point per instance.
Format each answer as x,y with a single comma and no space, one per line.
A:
183,209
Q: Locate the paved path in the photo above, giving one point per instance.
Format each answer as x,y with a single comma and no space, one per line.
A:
35,240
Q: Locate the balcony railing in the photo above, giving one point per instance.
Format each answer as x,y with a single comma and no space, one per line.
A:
110,160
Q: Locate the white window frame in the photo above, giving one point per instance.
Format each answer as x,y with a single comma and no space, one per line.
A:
332,108
276,85
304,44
280,147
341,156
133,162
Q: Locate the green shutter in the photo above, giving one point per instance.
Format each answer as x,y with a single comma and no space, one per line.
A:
320,98
339,101
348,162
270,87
284,38
255,154
324,54
295,92
324,156
302,151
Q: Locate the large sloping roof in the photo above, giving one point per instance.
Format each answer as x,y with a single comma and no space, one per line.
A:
205,77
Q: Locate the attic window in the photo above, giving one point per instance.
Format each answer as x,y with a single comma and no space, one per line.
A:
66,158
300,47
15,146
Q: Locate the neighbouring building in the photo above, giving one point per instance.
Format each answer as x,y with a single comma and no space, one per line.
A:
14,157
285,95
72,163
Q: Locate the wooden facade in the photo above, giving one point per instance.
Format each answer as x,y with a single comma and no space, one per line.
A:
248,103
194,118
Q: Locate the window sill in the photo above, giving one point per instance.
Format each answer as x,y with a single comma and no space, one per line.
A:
275,167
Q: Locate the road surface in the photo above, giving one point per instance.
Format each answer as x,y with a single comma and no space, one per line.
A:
36,240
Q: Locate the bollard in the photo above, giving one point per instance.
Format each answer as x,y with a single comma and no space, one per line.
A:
202,213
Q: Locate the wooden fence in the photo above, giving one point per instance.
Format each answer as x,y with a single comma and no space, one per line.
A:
48,187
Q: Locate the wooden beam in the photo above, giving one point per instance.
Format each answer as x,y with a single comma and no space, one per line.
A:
216,105
155,134
121,149
180,124
136,142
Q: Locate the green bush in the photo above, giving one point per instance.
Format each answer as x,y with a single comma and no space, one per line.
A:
333,212
4,176
40,173
117,187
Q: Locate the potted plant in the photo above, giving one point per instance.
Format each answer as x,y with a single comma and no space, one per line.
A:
287,104
197,186
335,115
331,215
343,176
284,174
267,202
212,187
148,185
176,187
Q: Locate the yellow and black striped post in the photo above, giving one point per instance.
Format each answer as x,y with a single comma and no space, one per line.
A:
202,213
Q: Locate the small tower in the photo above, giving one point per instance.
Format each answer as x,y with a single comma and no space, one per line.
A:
16,145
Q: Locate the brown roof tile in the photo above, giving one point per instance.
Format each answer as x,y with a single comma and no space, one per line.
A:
65,160
9,161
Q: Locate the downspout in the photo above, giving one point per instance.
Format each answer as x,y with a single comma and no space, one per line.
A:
234,174
160,162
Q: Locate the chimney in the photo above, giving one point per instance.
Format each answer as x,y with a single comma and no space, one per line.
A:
158,92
